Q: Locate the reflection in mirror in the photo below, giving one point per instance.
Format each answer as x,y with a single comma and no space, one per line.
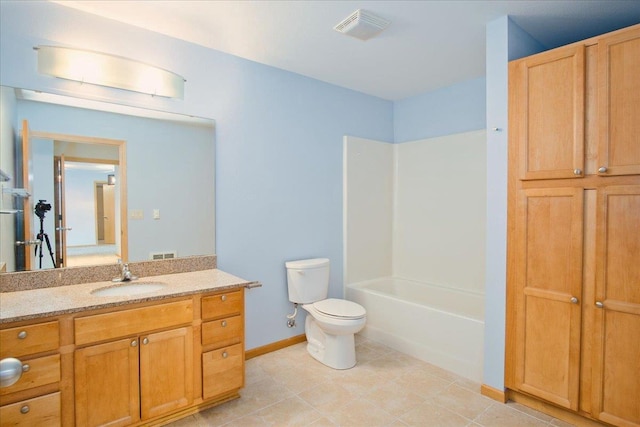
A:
90,204
72,173
163,194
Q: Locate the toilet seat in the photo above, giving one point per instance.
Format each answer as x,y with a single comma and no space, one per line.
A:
340,309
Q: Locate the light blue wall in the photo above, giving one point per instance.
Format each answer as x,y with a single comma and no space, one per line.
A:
278,135
79,195
8,133
505,41
454,109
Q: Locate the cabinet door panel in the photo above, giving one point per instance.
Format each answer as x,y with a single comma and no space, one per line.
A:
550,113
549,282
30,339
43,411
222,332
222,305
42,371
617,323
106,384
222,371
546,348
166,371
619,115
117,324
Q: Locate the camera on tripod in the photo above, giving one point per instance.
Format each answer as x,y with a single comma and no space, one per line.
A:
41,207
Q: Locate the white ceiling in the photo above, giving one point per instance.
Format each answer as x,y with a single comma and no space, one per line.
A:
429,44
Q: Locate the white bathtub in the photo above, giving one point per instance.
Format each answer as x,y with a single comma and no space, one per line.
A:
439,325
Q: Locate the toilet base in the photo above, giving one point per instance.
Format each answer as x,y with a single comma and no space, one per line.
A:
334,351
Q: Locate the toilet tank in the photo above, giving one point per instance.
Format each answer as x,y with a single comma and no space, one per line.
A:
308,280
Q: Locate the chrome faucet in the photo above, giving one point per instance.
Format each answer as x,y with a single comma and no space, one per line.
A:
125,273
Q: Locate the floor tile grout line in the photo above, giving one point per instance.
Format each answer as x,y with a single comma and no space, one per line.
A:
483,412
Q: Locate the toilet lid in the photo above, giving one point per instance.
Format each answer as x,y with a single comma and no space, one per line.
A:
340,308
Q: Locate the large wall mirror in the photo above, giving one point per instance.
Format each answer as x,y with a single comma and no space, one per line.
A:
104,182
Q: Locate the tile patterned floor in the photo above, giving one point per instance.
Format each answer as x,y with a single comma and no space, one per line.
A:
385,388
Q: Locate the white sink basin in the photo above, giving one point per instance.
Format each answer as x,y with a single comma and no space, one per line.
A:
128,288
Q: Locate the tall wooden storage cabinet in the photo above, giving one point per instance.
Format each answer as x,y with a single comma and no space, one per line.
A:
573,297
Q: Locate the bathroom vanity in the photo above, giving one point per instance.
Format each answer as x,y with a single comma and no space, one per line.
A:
92,359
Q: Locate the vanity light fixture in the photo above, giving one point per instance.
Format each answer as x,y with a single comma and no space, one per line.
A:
108,70
111,180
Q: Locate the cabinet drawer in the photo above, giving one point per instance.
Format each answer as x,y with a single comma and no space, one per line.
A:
107,326
222,371
222,305
222,332
41,371
31,339
43,411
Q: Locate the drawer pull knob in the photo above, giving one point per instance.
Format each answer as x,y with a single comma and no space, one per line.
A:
225,354
145,341
223,297
602,169
22,335
224,323
577,172
24,409
26,367
134,343
599,304
10,371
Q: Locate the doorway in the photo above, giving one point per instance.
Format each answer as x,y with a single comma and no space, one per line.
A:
89,209
75,173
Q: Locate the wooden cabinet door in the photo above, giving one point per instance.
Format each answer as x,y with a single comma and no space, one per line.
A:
548,281
619,103
222,371
106,384
42,411
166,371
549,113
616,358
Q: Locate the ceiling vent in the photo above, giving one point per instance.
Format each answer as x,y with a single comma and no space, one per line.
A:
362,25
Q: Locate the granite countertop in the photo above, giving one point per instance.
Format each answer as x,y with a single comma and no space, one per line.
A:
53,301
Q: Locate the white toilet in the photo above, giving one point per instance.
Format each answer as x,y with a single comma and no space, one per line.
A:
331,323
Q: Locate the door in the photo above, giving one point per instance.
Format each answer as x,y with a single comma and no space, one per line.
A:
548,287
60,211
619,93
616,347
27,253
105,213
166,371
550,108
106,384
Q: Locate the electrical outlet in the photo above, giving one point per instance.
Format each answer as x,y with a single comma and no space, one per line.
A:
136,214
156,214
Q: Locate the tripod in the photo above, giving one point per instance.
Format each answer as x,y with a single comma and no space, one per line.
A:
42,235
